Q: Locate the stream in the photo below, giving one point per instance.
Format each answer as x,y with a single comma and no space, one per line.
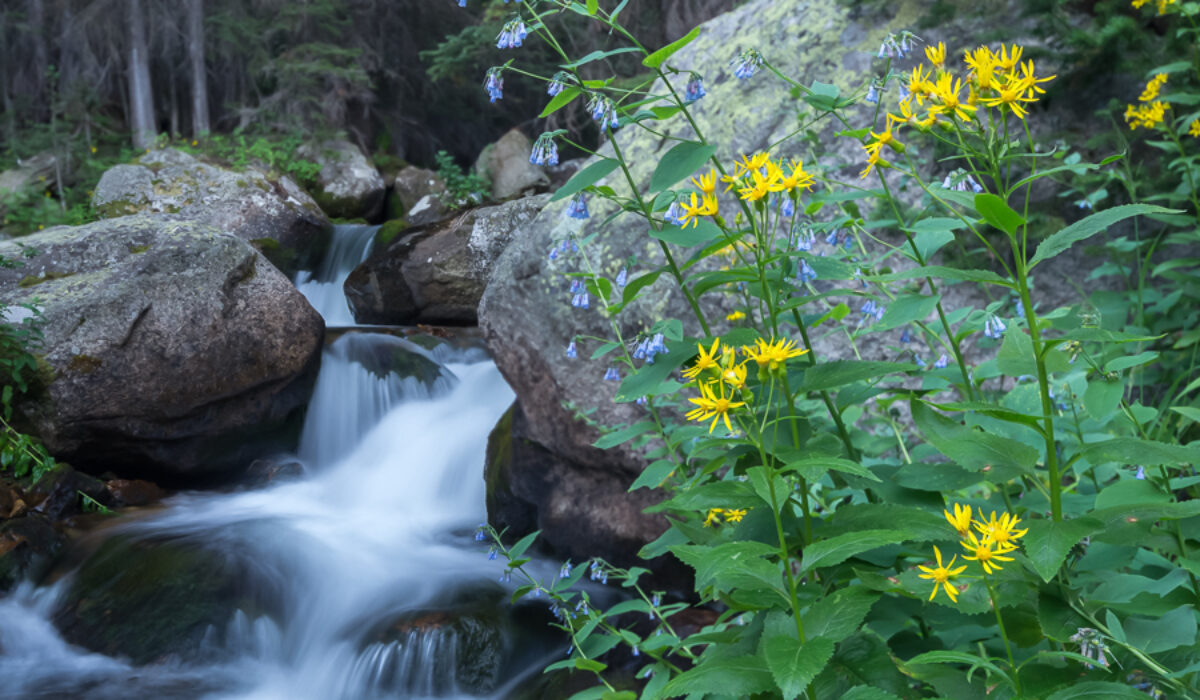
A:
359,579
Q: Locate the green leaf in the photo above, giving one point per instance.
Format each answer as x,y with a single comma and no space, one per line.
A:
597,55
560,100
739,676
586,177
1090,226
946,273
590,665
703,232
831,375
864,692
823,96
679,162
523,544
1188,412
1175,629
813,468
930,242
794,664
646,379
838,616
1048,542
1122,363
1102,397
973,448
1098,690
657,58
1128,450
905,310
610,440
593,6
836,550
996,212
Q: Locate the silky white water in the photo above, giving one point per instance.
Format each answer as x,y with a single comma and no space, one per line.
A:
323,287
381,524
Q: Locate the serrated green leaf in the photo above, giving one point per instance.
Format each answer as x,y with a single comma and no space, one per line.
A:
973,448
1098,690
813,468
836,550
1048,542
1171,631
794,664
838,616
831,375
739,676
1087,227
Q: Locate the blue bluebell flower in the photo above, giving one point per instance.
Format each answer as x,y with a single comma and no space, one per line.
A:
603,111
545,151
572,351
805,240
788,207
558,82
920,362
903,90
639,352
871,310
674,214
873,94
565,571
494,83
622,277
805,273
993,327
612,375
832,238
941,362
694,89
1083,204
492,554
906,337
577,209
1141,473
581,300
462,3
848,241
480,532
641,400
577,285
746,63
553,254
511,35
562,247
506,576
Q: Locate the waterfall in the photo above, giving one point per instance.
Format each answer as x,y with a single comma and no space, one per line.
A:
351,244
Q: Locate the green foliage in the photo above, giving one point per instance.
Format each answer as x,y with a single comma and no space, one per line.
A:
464,188
276,151
20,454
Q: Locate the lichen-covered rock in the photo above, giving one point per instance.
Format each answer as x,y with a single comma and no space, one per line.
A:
428,209
525,312
271,212
167,344
348,186
506,166
437,274
411,184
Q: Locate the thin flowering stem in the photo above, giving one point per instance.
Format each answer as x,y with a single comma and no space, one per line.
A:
1016,677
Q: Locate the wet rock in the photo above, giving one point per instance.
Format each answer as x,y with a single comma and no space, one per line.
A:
28,547
59,493
134,492
151,600
348,186
506,166
437,274
411,184
581,513
263,472
428,209
265,209
167,344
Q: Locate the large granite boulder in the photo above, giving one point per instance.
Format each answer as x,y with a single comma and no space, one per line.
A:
437,274
506,166
348,186
269,211
410,185
526,314
167,345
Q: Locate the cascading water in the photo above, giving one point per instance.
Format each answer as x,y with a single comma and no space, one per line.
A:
353,557
350,245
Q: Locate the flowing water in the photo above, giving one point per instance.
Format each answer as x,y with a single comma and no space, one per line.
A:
378,531
350,245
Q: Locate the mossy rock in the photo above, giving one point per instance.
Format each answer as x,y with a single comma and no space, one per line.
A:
389,232
147,599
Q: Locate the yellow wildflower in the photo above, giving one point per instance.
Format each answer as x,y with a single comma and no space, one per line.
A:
937,56
961,520
706,360
945,92
760,185
872,160
906,114
707,183
798,180
735,515
750,163
1027,74
1151,92
986,552
735,316
1011,94
707,207
735,375
1148,116
920,84
713,405
982,63
773,355
93,149
1003,531
1007,61
942,575
714,516
1162,6
1194,128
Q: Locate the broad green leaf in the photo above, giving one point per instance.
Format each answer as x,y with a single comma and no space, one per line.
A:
1098,690
1125,362
916,524
638,284
954,657
740,676
794,664
1048,542
905,310
864,692
971,447
1188,412
813,468
944,476
560,100
590,665
609,440
703,232
930,242
996,212
657,58
838,616
679,162
947,273
523,544
1102,397
836,550
1090,226
711,563
764,480
1128,450
648,377
1175,629
823,96
586,177
593,6
597,55
831,375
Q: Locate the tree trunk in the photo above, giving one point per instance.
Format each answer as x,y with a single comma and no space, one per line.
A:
36,18
195,39
141,94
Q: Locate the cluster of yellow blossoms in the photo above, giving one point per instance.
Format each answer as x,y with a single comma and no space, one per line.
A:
986,541
755,177
1161,5
731,515
719,376
1151,111
995,79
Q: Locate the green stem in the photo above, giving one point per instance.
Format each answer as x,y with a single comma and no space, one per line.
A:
1016,676
1035,337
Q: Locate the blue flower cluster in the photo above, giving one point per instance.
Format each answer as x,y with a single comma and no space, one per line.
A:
896,45
512,35
694,89
493,82
870,310
994,327
557,83
580,298
805,273
649,347
577,209
603,111
545,151
746,63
